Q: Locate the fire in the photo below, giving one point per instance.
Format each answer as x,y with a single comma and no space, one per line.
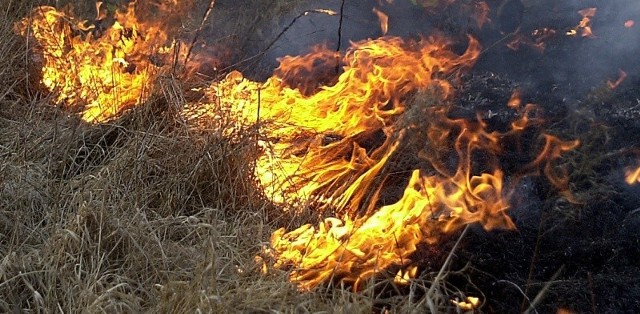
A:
621,76
585,24
326,125
100,71
632,176
536,40
384,20
329,142
515,100
469,304
333,147
481,13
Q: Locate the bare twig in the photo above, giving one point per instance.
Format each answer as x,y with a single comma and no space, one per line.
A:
445,265
524,295
541,294
339,35
199,30
275,40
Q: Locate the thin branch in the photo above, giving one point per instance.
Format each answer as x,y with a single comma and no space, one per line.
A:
445,265
339,36
540,295
205,17
273,42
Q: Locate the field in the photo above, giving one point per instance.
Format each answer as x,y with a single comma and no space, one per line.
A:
155,210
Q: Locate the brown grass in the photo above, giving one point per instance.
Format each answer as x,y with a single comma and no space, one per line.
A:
143,214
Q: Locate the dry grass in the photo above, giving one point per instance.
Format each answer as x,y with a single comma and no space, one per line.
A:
144,214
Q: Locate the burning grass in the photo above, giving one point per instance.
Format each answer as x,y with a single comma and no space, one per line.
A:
143,213
226,197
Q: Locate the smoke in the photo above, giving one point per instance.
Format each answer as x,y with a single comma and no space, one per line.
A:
354,21
573,64
570,65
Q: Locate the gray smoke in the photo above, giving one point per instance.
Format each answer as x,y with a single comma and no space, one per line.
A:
573,65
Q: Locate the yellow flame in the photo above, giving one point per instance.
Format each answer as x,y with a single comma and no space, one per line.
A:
100,72
632,176
384,20
313,152
328,141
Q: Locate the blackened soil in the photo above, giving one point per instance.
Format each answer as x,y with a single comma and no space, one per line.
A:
581,257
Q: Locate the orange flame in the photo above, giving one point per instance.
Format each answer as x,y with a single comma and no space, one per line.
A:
515,100
585,24
481,13
622,75
535,41
326,124
469,304
327,141
632,176
314,151
384,20
99,71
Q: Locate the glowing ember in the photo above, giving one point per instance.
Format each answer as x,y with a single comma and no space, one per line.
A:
585,24
96,70
621,77
632,176
384,20
629,23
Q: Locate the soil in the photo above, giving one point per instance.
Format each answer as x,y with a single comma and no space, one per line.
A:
580,257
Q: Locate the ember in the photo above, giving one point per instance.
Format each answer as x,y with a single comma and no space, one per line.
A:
633,176
629,23
584,27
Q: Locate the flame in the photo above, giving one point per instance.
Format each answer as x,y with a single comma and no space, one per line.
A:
585,24
404,277
535,41
481,13
621,76
99,71
515,100
469,304
632,176
316,151
329,140
384,20
326,126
